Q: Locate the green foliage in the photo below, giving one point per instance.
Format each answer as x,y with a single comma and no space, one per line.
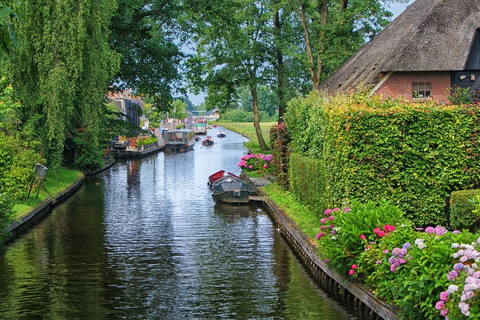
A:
146,36
6,213
241,116
409,268
307,181
463,213
412,154
61,71
460,96
7,34
341,230
280,145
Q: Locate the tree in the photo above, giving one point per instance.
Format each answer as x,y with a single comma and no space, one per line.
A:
146,35
231,49
61,70
7,34
335,29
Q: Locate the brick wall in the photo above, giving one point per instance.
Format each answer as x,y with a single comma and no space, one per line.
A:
400,84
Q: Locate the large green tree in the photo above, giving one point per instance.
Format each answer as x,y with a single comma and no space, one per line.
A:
146,34
334,30
234,41
61,69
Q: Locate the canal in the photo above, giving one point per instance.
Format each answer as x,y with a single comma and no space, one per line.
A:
145,240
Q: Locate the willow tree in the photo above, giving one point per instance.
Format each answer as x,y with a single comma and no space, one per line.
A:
334,30
61,69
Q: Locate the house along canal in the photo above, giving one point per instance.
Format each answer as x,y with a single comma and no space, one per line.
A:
145,240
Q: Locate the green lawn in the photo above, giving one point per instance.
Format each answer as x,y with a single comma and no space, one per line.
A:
54,183
247,129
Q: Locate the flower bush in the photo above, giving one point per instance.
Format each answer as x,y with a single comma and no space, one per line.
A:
256,162
429,273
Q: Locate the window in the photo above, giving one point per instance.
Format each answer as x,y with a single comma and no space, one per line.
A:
422,90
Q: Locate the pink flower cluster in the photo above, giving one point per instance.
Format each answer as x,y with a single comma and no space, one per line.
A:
352,270
255,161
386,230
327,226
438,230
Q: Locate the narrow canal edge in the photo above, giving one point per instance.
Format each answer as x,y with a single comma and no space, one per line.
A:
14,230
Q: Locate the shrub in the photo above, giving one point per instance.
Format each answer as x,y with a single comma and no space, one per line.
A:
463,213
413,269
256,162
342,229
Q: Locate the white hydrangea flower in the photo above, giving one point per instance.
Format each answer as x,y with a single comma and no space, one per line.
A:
452,288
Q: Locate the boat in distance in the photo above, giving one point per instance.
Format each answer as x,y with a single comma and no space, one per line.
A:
221,134
200,128
179,140
232,189
208,141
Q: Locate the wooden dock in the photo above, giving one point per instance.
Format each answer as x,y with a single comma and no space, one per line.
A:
132,153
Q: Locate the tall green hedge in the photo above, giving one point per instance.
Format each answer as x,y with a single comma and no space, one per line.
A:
414,154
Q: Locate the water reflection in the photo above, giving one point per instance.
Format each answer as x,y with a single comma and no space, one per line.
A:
145,240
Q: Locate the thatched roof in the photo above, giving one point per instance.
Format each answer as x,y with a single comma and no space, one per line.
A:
430,35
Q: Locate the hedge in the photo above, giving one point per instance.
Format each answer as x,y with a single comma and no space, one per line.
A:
413,154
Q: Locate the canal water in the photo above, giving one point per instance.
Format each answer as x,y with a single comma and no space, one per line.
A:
145,240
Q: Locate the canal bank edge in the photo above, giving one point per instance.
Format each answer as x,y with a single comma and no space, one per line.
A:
19,227
362,300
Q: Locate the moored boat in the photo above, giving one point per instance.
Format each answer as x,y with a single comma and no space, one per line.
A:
218,175
232,189
200,128
179,140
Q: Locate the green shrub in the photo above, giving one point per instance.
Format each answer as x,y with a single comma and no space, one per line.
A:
412,154
341,230
462,209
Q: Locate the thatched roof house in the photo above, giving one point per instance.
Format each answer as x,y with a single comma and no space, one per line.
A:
431,47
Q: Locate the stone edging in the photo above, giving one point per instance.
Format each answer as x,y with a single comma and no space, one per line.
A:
19,227
362,300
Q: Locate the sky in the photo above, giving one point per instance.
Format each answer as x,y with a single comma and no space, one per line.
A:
395,8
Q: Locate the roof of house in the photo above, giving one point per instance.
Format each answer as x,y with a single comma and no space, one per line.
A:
430,35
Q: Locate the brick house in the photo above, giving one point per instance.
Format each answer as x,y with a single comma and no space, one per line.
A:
432,47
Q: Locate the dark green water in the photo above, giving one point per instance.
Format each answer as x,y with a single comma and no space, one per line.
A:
145,240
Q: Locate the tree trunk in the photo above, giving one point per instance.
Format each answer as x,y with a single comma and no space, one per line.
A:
316,64
280,67
256,119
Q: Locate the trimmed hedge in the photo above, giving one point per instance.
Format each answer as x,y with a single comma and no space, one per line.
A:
462,210
413,154
307,181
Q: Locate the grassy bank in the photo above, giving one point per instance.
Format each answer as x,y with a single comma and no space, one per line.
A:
247,129
55,182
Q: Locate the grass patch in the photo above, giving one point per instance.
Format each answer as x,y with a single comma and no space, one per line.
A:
247,129
55,182
307,220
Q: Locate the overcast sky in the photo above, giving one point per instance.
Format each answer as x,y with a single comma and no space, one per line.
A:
395,8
